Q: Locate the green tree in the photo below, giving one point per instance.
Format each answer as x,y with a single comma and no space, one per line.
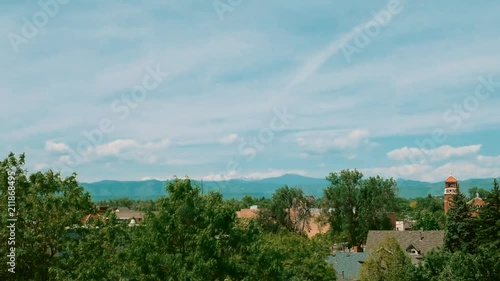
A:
442,265
427,220
354,205
487,262
432,266
460,226
477,191
190,237
96,251
489,217
289,209
388,263
377,200
46,205
288,256
342,198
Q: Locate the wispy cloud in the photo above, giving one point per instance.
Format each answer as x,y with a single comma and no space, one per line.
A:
431,155
366,112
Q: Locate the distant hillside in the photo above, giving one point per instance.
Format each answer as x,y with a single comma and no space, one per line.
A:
237,188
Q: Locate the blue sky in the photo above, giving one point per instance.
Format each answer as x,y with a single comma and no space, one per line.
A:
250,89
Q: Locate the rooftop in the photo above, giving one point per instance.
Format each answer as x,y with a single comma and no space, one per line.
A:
347,265
451,179
423,241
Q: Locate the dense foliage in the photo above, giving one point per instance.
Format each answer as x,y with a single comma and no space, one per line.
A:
185,236
188,235
470,252
389,263
355,205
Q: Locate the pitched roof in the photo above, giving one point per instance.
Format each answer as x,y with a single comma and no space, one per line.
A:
451,179
87,217
477,200
431,239
347,263
124,213
247,213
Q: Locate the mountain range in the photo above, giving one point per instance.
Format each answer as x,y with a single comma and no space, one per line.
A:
237,188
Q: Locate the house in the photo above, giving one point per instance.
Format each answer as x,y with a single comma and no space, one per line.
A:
123,214
415,243
404,225
127,215
315,227
247,213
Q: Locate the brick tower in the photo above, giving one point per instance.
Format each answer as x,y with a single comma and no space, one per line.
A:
450,189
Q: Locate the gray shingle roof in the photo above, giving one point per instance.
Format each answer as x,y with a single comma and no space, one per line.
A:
348,263
430,239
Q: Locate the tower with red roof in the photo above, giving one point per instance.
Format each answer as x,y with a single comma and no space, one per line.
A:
450,189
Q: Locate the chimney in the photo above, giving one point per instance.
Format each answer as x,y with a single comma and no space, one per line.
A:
421,235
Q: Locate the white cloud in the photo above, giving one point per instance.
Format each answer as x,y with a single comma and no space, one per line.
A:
220,177
208,68
56,146
40,166
65,159
315,62
272,173
323,141
126,149
414,154
153,178
489,160
228,139
159,144
425,172
253,176
115,147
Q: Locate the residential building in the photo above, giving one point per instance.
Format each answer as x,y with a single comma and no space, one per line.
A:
404,225
127,215
415,243
123,214
312,227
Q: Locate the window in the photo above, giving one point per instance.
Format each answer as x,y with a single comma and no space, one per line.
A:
412,251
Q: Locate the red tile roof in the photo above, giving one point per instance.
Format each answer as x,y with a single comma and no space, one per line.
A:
451,179
87,217
247,213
